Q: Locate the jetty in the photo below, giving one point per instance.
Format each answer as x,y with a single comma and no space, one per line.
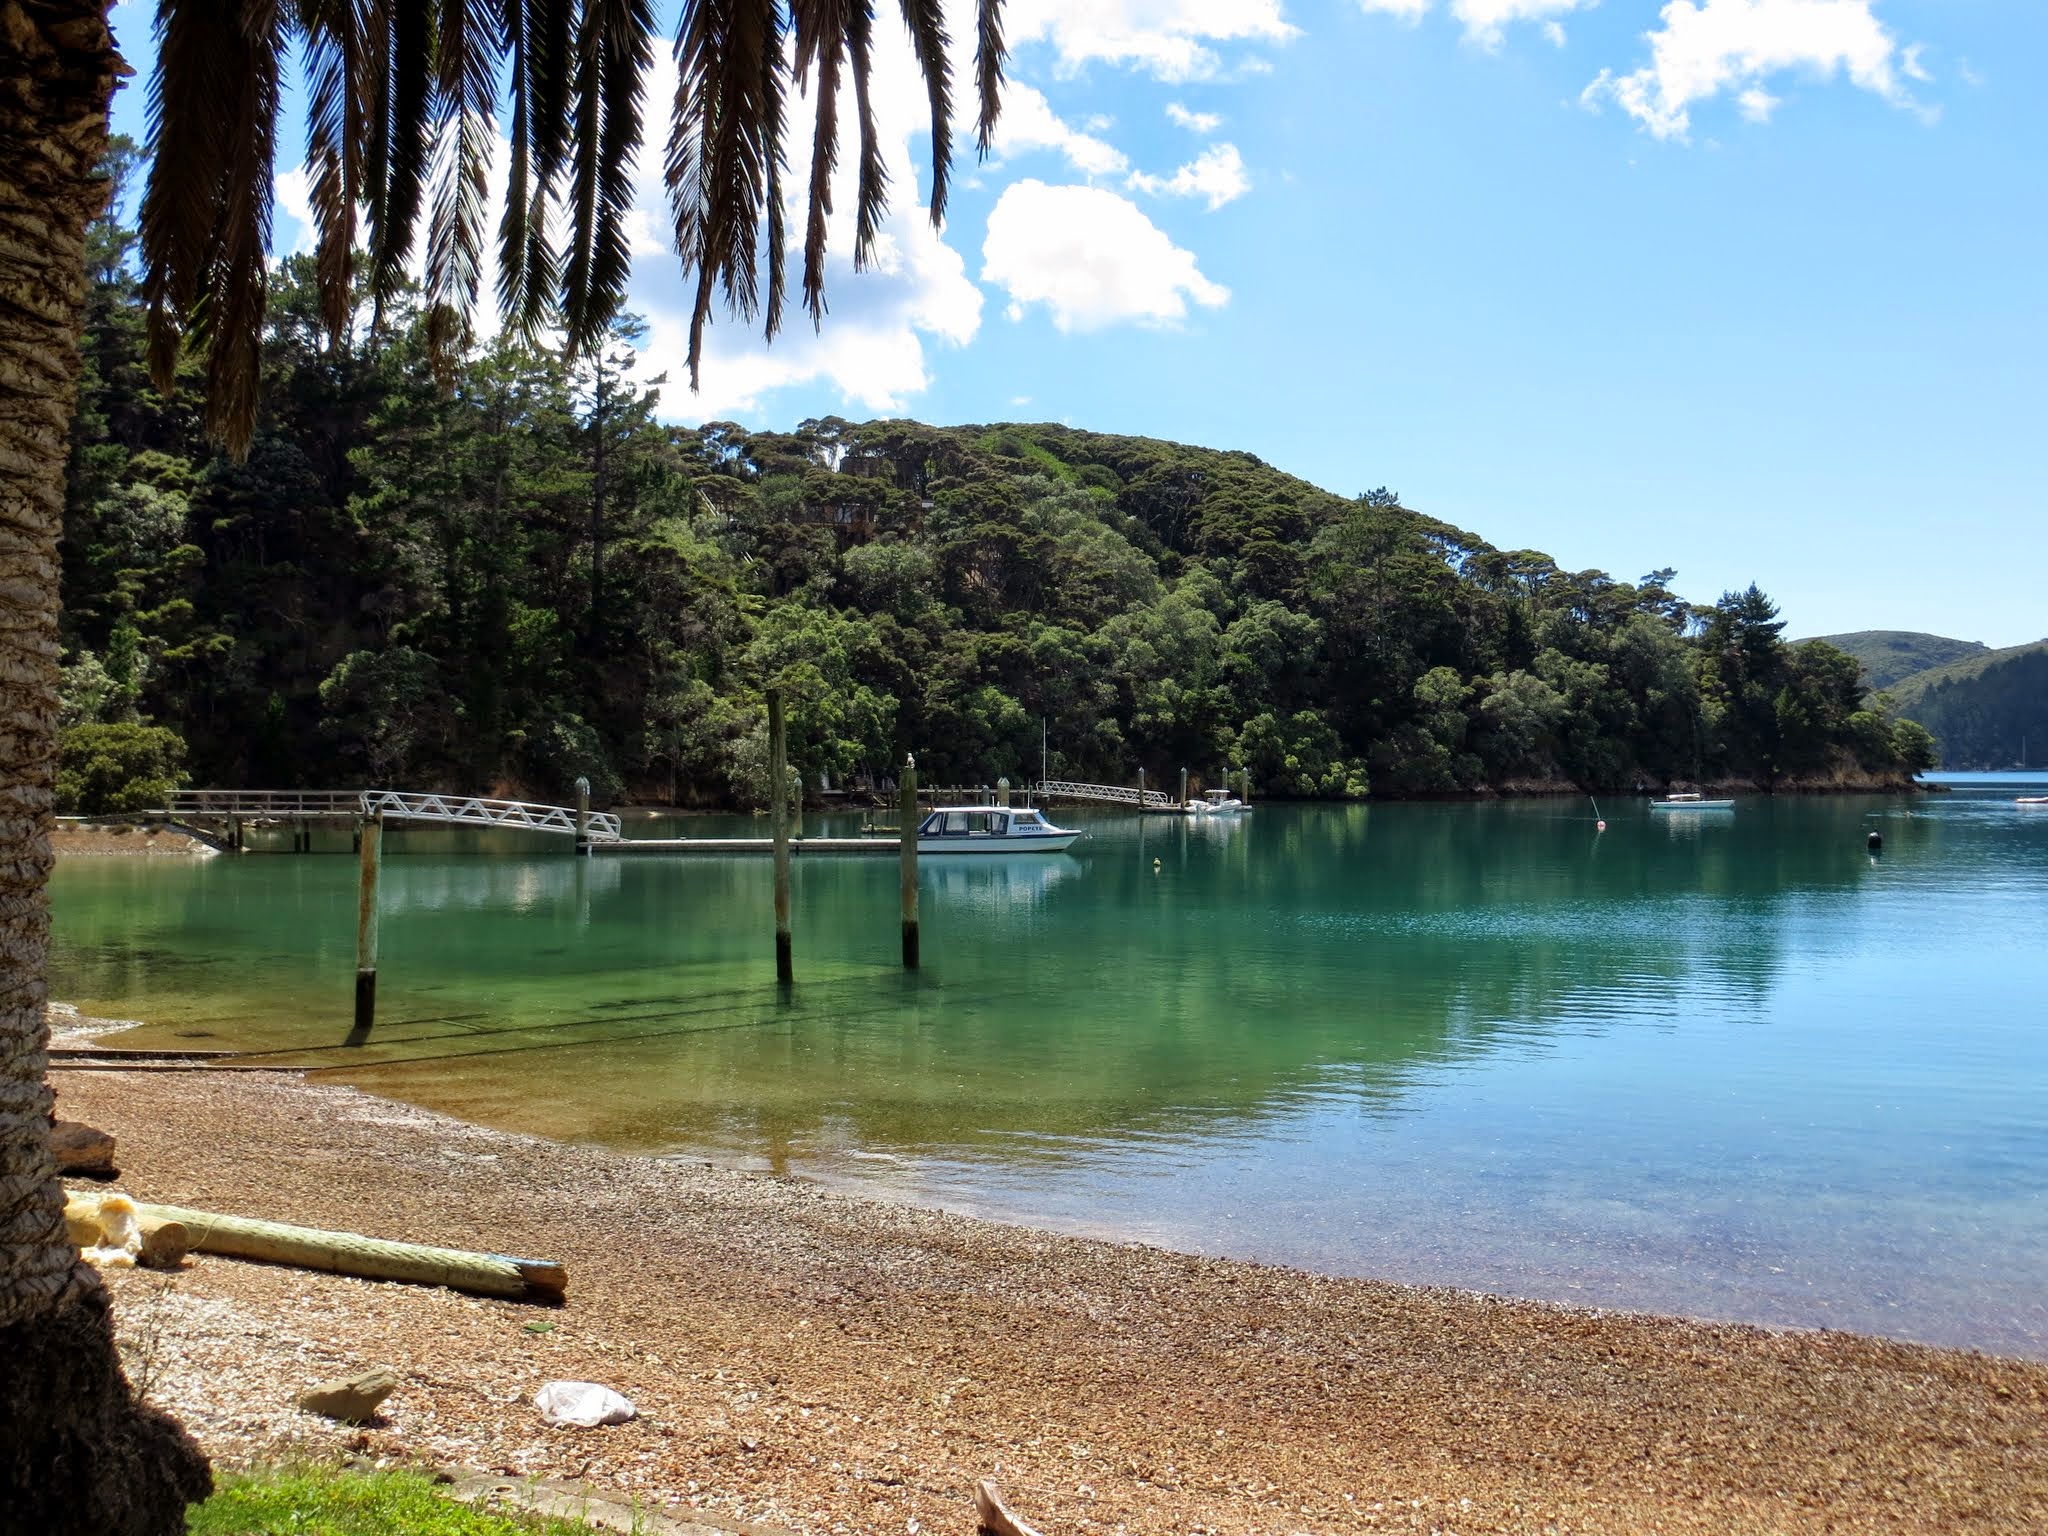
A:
223,816
225,813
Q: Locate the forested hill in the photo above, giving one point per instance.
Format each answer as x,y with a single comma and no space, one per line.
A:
523,577
1888,655
1990,711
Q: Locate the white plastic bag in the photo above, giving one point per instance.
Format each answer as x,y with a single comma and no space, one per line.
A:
582,1403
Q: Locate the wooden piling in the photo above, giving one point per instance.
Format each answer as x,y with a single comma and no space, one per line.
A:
1183,786
907,821
582,814
1244,779
1141,791
778,809
366,924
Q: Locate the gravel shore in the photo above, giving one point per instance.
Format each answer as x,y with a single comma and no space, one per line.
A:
120,839
823,1362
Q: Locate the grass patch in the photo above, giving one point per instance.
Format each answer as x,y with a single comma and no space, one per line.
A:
332,1502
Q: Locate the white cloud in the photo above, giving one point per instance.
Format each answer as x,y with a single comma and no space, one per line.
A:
1705,47
1486,21
1406,10
1091,257
1029,122
1194,122
874,347
1757,104
1170,39
1217,174
292,195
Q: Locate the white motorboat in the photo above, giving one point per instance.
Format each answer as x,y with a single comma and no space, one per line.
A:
1691,803
1215,802
990,829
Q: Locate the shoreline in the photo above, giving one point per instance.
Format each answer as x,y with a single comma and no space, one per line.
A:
828,1361
149,835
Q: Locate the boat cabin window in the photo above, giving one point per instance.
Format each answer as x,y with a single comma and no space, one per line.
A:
964,823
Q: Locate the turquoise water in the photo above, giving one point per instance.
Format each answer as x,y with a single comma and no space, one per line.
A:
1725,1064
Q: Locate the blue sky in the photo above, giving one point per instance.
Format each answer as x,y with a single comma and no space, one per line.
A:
1753,288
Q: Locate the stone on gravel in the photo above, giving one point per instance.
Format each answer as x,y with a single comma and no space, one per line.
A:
584,1404
351,1399
82,1149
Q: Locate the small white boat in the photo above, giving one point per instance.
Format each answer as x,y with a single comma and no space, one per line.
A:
1215,802
990,829
1690,803
2032,800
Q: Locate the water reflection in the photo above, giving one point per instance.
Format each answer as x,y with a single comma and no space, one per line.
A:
1476,1043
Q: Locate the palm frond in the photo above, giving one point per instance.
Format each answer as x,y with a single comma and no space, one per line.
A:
468,54
724,152
377,64
336,126
402,100
615,48
772,94
187,148
820,44
206,215
512,230
871,192
989,53
232,324
926,20
406,128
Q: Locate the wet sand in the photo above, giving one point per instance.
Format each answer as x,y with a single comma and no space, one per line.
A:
825,1362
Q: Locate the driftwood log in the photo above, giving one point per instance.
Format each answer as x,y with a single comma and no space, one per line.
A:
83,1149
164,1243
994,1514
347,1253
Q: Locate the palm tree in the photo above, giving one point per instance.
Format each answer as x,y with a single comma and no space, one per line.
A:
402,105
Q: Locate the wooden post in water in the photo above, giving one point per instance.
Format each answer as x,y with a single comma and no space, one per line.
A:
366,924
778,812
582,814
1141,791
1244,777
1183,786
907,820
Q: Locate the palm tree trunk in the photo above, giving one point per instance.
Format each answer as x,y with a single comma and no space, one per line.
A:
77,1453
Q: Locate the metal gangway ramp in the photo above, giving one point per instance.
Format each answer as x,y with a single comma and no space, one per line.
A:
396,805
1106,794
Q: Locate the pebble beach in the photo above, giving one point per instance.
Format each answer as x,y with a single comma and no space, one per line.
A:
815,1361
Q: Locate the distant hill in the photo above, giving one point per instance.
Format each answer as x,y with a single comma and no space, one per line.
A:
1891,654
1985,711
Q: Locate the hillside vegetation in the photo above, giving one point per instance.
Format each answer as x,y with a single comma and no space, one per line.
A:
1889,655
1984,712
514,576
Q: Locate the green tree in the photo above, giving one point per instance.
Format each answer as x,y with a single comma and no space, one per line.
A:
122,767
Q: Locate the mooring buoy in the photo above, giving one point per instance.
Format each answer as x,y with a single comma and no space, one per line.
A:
1875,842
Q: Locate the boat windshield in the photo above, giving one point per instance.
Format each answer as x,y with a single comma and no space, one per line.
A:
966,822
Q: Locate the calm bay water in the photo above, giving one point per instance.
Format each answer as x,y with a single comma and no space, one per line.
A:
1725,1064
